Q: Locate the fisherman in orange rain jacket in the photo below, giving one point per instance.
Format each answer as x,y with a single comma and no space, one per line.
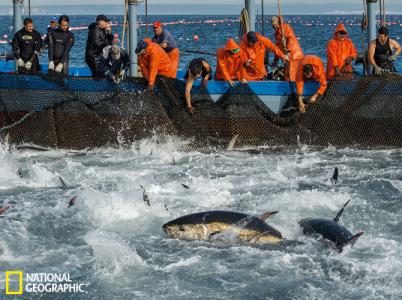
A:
229,65
310,68
341,53
253,46
289,45
153,61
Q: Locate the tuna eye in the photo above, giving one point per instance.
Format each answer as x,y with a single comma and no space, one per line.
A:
181,228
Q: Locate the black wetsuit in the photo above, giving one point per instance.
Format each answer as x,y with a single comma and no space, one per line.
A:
46,42
97,40
382,53
27,45
60,43
199,61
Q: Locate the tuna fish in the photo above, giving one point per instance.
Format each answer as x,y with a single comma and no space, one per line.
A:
224,226
330,230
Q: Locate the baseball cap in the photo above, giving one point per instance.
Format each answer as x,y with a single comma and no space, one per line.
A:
141,46
53,19
157,24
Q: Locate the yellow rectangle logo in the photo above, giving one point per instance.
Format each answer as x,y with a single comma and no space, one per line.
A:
12,273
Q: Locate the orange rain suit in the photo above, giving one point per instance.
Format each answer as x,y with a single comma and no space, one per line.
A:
318,74
338,51
292,45
174,56
257,71
154,62
229,66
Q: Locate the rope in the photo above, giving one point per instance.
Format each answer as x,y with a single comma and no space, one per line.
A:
124,23
198,52
244,23
18,122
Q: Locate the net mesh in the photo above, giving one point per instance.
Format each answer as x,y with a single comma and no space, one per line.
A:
79,113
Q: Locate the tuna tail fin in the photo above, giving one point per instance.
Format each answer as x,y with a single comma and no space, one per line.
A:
354,238
338,216
266,215
232,143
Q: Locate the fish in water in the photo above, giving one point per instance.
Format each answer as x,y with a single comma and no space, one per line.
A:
330,230
334,178
185,186
221,225
145,197
4,209
71,202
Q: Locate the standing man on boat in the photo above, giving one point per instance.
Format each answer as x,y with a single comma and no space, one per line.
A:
288,44
61,40
99,36
165,39
383,51
229,65
198,68
153,61
253,46
340,53
52,25
26,46
114,63
310,69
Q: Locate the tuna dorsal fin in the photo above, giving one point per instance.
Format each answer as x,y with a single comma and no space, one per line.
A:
354,238
334,178
338,216
266,215
232,143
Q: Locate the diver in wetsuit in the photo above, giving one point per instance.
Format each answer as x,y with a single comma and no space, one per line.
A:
383,51
26,44
199,67
60,42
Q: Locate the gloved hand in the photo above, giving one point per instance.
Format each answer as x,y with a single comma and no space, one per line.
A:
349,60
378,70
231,83
122,74
286,58
243,81
21,63
59,68
393,57
28,65
150,87
51,66
116,79
337,73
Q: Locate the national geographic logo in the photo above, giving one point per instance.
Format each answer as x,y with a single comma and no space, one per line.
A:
18,283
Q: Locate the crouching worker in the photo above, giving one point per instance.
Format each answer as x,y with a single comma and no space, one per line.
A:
153,61
229,65
198,68
113,64
310,69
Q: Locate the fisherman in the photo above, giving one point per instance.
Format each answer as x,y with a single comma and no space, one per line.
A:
61,40
198,68
153,61
114,63
52,25
99,36
253,46
165,39
311,68
288,44
341,53
383,51
26,45
229,65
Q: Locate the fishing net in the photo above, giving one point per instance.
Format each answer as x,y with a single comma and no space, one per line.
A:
79,113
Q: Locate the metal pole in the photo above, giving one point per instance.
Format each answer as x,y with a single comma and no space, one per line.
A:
262,14
132,21
372,22
146,18
18,6
250,6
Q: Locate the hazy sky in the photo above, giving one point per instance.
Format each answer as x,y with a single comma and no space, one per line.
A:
300,2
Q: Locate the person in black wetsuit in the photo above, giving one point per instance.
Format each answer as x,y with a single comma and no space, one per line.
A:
99,36
27,44
52,25
113,64
61,40
199,67
383,51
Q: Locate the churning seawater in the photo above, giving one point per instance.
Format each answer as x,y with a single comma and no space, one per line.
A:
113,241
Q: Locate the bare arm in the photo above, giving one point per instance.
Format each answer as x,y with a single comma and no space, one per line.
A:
189,85
163,45
395,45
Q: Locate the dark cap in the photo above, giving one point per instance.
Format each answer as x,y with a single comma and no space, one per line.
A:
141,46
102,18
252,37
